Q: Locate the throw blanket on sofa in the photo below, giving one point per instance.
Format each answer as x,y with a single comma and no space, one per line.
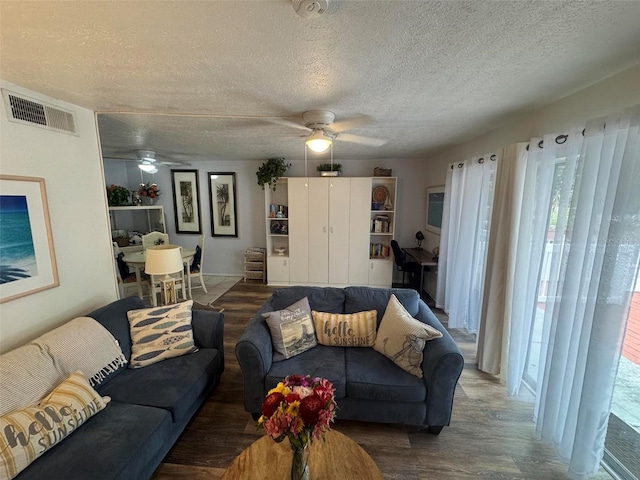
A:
83,344
30,372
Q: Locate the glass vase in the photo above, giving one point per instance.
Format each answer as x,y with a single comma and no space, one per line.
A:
300,463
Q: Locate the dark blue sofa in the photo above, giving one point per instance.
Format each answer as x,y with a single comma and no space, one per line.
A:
369,386
149,406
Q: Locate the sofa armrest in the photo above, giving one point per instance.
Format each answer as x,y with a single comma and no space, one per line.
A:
208,329
254,352
442,365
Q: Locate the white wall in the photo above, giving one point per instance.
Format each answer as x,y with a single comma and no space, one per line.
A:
611,95
74,181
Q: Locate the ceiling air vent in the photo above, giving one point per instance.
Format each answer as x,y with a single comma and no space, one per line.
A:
34,112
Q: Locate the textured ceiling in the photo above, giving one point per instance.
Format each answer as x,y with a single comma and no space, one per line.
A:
430,73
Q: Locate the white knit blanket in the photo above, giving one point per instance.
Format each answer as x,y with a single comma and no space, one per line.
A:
30,372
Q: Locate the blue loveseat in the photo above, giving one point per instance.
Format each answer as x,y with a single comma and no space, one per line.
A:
369,386
149,406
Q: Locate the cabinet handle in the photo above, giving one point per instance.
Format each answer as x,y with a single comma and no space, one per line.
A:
331,229
285,263
324,229
371,265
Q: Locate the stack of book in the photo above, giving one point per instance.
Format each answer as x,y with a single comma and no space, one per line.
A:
378,250
380,224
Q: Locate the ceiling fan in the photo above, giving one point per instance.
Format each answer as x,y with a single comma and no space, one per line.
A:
147,161
322,129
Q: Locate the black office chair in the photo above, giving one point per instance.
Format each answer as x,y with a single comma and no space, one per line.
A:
413,268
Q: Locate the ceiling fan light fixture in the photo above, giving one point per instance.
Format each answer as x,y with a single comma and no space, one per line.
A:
148,167
318,142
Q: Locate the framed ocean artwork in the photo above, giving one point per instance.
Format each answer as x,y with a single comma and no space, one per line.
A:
27,257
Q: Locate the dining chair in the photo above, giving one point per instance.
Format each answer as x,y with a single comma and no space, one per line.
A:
153,239
195,269
127,280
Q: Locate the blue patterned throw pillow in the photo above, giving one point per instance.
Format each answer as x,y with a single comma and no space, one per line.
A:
159,333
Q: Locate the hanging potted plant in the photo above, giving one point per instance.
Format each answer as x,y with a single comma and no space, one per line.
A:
329,169
270,171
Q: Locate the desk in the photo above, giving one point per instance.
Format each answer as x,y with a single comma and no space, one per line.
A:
337,457
424,258
136,261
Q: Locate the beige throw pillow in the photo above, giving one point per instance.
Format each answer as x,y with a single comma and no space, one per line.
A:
291,329
346,329
27,433
159,333
402,338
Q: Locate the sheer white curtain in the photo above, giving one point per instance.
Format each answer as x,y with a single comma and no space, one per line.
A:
576,256
463,241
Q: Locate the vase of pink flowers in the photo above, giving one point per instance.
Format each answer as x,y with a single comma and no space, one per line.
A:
149,193
300,408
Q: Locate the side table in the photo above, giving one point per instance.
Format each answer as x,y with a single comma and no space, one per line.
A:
336,457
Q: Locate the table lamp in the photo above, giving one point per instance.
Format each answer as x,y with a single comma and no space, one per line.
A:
164,260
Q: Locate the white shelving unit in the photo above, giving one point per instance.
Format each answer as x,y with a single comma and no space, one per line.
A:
323,235
143,219
277,232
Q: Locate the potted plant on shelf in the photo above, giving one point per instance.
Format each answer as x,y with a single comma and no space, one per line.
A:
329,169
117,196
270,171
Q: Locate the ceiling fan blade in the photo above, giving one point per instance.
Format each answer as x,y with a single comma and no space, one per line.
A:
373,142
286,123
173,162
121,159
359,121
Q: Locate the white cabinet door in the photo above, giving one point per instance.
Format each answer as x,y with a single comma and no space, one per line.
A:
339,227
380,272
319,230
277,270
359,222
298,230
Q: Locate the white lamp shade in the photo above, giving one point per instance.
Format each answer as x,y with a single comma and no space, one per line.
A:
163,260
318,142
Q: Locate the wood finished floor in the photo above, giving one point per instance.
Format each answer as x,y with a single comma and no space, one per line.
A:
490,437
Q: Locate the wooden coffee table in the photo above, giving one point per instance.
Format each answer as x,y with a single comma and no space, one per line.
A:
337,457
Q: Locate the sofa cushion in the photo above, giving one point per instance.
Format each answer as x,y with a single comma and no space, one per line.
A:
322,299
321,361
114,318
372,376
402,338
120,443
173,384
345,329
27,433
358,299
291,330
158,333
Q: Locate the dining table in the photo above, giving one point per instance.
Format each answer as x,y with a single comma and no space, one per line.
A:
136,261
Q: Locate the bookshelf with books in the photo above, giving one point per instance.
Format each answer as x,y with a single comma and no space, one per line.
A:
277,232
381,230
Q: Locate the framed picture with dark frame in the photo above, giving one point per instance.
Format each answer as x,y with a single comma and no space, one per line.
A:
186,201
435,203
222,199
27,257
